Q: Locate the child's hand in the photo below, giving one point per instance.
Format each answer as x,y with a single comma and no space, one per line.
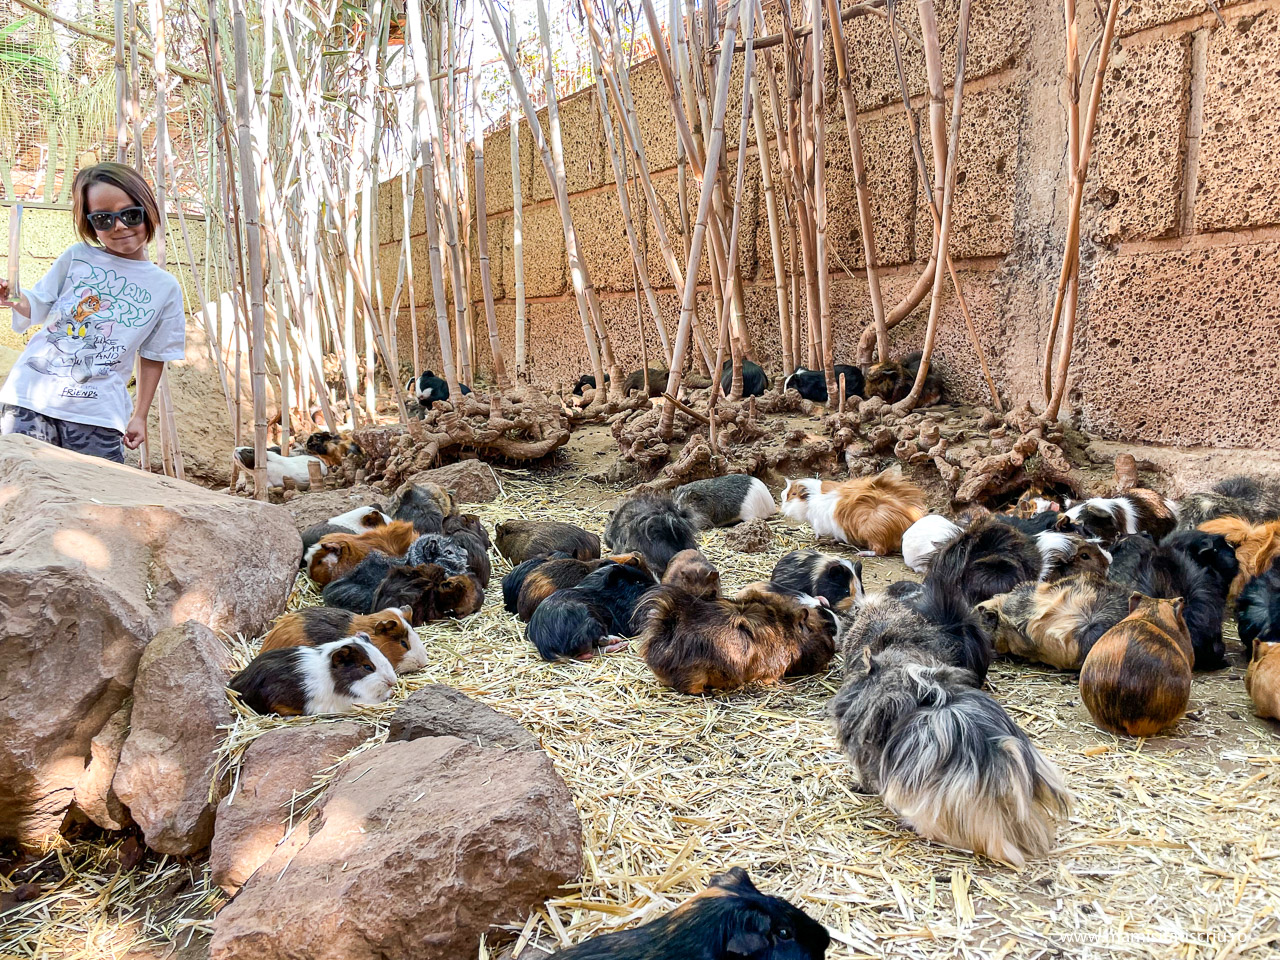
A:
4,295
136,431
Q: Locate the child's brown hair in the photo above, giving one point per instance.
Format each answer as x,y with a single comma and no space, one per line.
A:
118,175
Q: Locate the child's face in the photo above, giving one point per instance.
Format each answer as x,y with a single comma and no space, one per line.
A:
130,242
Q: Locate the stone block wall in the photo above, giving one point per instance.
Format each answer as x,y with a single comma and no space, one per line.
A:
1179,318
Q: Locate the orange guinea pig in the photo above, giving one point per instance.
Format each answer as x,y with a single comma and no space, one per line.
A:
337,554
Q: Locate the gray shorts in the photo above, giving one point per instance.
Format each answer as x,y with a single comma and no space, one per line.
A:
80,437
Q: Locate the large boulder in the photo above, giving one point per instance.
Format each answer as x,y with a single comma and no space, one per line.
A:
469,481
438,710
418,848
95,559
254,818
166,764
96,798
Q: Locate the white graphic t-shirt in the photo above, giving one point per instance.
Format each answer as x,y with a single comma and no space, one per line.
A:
98,311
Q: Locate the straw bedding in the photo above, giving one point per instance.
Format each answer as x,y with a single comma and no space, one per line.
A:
1172,849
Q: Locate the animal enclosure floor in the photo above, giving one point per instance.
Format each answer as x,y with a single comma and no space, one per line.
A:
1172,849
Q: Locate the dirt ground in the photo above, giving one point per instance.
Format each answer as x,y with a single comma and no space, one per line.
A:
1171,849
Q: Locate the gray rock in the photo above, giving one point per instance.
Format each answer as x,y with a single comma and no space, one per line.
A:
438,710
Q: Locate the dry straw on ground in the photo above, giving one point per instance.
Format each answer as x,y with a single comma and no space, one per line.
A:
1171,851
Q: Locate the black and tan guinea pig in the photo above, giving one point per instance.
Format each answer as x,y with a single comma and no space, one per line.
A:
514,580
330,447
721,501
1108,518
425,505
986,559
653,525
1068,554
730,920
337,554
1055,622
430,592
554,575
691,571
389,630
521,540
597,613
760,636
812,384
754,380
303,681
359,520
835,579
892,381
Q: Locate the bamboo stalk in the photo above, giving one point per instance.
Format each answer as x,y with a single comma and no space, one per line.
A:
122,87
517,222
944,231
482,239
135,110
775,231
820,195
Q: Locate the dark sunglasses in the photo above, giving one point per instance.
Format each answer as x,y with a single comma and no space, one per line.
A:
103,220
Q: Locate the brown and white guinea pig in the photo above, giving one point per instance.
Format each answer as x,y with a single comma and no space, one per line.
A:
892,381
1069,554
1262,679
866,512
599,612
1058,622
1256,545
722,501
730,920
514,580
520,540
987,559
691,571
1137,677
560,574
653,525
359,520
304,681
337,554
836,580
1109,518
425,505
694,645
330,447
389,630
945,757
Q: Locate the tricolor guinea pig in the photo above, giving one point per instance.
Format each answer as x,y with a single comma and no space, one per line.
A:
337,554
1108,518
730,920
691,571
560,574
520,540
597,613
924,538
359,520
428,389
1068,555
721,501
279,466
514,581
653,525
389,630
425,505
303,681
866,512
1055,622
330,447
836,580
429,591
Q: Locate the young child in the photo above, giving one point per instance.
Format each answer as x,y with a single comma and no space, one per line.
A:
103,303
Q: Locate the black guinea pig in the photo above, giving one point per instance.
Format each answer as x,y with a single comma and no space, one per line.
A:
514,580
424,505
303,681
430,592
730,920
812,384
586,380
834,579
572,623
355,591
653,525
754,380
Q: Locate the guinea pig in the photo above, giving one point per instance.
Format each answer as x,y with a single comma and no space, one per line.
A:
389,630
1262,679
477,551
635,381
1033,525
436,548
430,592
1211,552
892,381
1255,500
467,523
550,576
358,520
1108,518
754,380
513,581
304,681
518,540
812,384
694,573
331,448
924,538
866,512
425,505
945,757
694,645
1258,609
586,380
1137,677
1256,546
653,525
722,501
1067,554
429,389
356,590
730,920
279,467
986,559
337,554
834,579
598,612
1055,622
935,620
